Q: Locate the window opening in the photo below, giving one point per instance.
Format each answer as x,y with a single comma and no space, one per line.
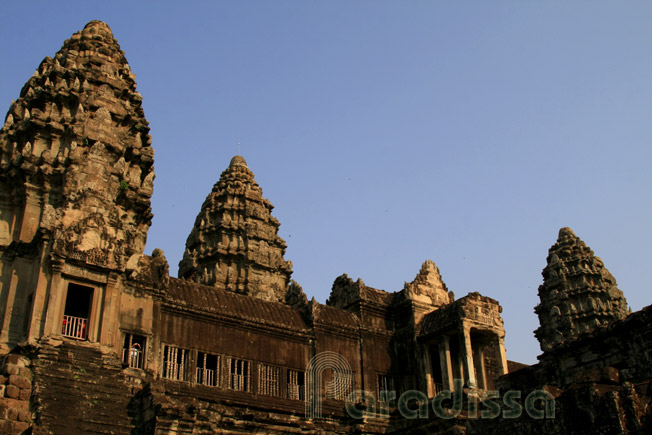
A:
269,380
133,351
385,389
295,384
207,369
341,386
175,363
239,374
77,311
436,369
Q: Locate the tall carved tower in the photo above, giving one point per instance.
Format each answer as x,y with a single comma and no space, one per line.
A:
234,244
578,293
76,177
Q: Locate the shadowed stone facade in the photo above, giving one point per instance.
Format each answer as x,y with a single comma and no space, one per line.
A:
97,337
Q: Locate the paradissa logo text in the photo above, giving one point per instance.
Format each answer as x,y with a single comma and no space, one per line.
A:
412,404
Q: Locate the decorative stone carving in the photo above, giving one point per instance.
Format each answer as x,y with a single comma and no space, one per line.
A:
428,286
295,297
151,270
160,270
578,293
234,244
75,145
345,292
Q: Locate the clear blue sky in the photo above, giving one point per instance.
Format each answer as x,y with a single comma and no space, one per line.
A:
386,133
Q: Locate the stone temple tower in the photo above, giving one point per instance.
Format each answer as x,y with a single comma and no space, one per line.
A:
234,244
578,293
76,177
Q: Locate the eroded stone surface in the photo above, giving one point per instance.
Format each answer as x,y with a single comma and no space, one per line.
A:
234,244
77,160
578,293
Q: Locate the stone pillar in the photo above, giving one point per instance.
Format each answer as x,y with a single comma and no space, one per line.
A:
109,333
56,302
21,274
31,215
430,382
460,364
39,301
95,314
5,286
445,362
479,365
9,296
467,357
502,356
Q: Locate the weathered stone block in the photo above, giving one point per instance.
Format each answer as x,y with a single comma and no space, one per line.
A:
6,427
13,403
13,414
26,373
19,426
24,394
12,391
20,382
10,369
2,390
16,359
24,416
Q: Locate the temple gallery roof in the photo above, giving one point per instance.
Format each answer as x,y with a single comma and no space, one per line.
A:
210,300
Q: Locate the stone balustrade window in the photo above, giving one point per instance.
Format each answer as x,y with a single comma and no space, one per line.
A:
239,374
207,372
341,386
77,311
385,387
175,363
269,380
295,384
133,351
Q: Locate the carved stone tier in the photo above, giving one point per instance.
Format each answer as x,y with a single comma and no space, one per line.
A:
578,293
234,244
76,156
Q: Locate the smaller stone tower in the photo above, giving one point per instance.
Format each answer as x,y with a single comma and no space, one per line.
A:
578,293
234,244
